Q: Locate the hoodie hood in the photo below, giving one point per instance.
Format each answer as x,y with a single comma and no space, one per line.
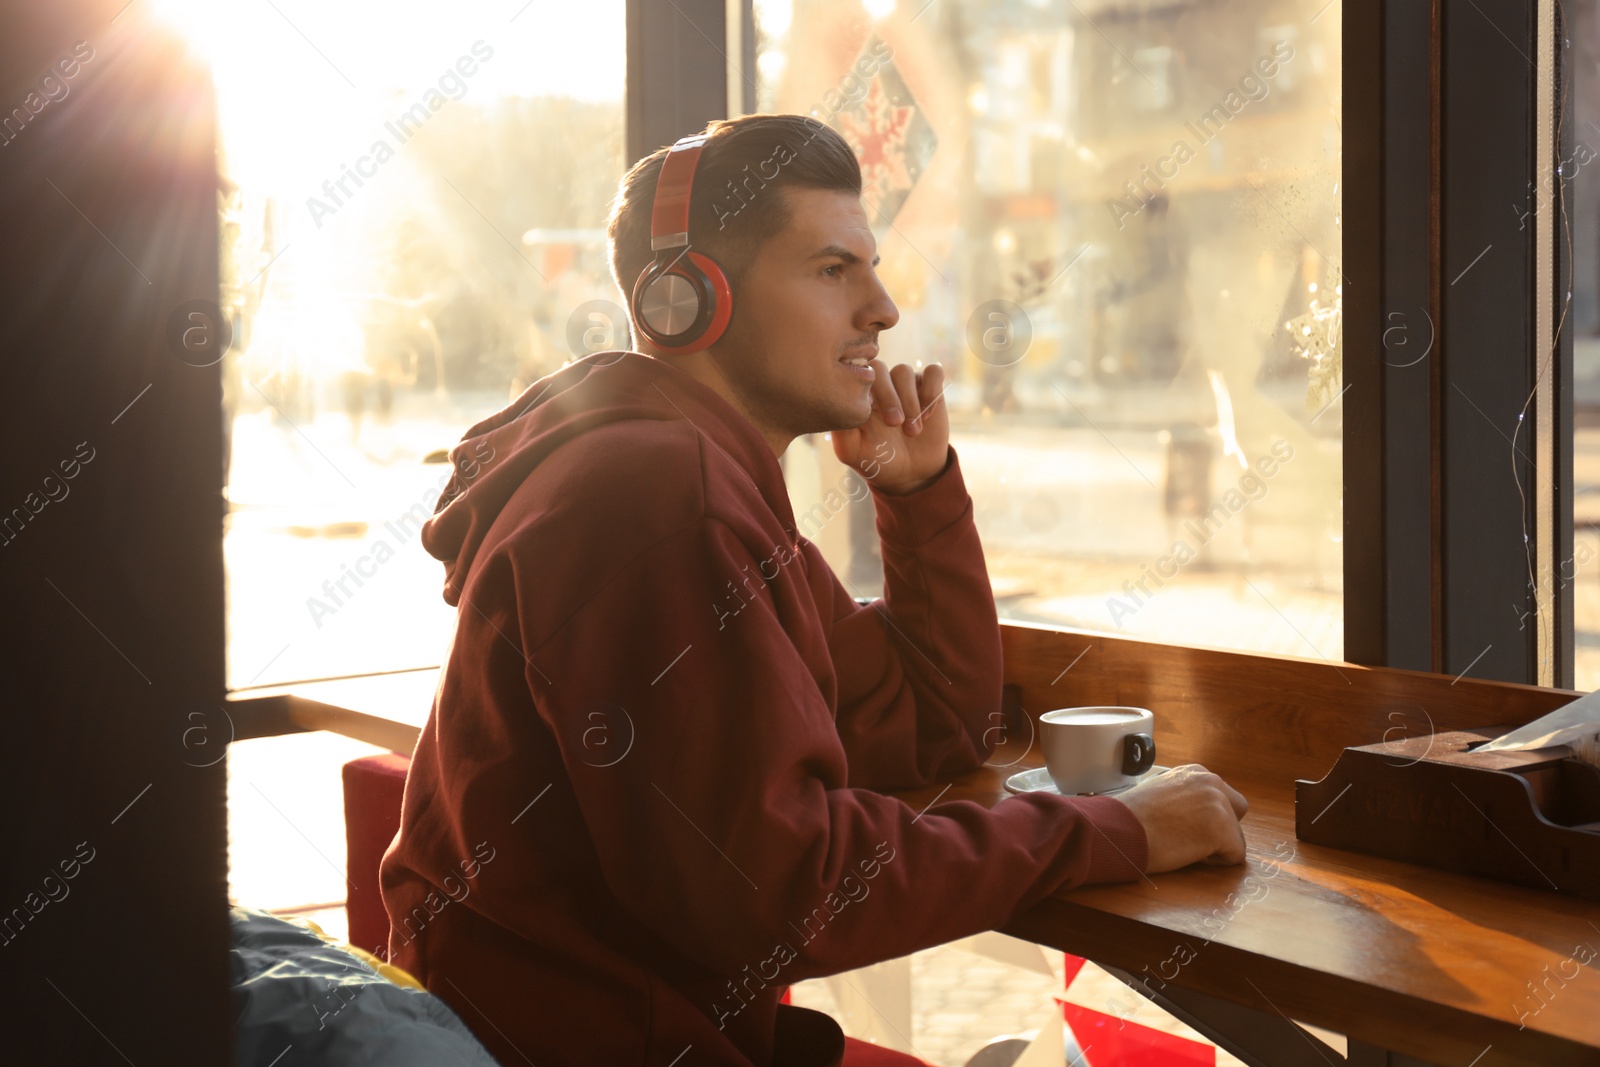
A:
497,455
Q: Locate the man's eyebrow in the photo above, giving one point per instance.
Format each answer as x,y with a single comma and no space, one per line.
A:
841,252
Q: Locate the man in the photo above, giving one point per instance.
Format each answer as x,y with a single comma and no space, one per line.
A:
645,801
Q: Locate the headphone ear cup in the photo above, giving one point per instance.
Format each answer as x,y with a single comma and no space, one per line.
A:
722,292
667,303
683,305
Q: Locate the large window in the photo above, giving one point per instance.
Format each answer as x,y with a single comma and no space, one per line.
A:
412,217
1117,227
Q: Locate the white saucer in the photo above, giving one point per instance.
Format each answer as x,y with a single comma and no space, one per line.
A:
1038,781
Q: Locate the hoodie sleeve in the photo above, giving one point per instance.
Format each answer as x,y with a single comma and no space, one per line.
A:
920,671
725,823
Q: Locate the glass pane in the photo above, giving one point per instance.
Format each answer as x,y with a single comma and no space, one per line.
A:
1116,225
415,203
1580,176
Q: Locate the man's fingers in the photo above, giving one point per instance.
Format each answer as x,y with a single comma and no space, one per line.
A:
1231,830
931,385
1189,814
1227,857
905,387
1241,806
903,395
884,394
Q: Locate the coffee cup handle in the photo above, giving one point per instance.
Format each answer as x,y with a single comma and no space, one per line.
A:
1138,753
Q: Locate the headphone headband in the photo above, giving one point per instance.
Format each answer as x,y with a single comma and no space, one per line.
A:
669,219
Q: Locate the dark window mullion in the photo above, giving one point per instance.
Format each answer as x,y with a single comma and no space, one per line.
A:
677,71
1489,356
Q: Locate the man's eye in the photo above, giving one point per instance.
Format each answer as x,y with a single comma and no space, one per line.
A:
833,267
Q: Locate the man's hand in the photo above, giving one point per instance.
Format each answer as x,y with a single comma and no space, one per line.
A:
905,442
1189,815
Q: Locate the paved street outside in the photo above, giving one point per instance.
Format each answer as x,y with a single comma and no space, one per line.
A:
961,1002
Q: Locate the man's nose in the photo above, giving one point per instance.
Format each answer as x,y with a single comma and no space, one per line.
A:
879,312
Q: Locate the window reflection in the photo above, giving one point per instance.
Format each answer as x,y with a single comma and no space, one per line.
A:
1117,227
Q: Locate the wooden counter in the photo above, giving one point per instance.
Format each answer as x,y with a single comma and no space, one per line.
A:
1403,959
1406,961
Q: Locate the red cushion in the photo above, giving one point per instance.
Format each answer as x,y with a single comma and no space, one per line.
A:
373,788
866,1054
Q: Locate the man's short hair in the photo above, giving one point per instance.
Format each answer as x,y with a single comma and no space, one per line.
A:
735,206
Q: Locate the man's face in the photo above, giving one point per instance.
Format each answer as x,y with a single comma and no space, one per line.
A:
810,300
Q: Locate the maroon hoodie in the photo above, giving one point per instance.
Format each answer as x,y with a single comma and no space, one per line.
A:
646,799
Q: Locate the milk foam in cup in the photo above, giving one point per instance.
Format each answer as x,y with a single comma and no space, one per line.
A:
1095,750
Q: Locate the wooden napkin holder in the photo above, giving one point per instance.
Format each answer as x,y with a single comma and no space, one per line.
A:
1530,818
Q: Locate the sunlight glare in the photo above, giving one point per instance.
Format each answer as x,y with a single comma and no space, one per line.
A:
303,87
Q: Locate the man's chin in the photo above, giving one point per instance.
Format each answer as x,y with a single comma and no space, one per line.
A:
845,416
861,412
853,421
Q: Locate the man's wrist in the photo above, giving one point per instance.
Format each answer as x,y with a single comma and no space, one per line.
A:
907,490
915,487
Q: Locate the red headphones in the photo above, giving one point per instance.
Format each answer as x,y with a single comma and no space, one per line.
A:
682,301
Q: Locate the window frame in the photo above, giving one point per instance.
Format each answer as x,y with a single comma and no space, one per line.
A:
1441,134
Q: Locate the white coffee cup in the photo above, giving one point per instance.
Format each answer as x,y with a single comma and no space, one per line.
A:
1095,750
